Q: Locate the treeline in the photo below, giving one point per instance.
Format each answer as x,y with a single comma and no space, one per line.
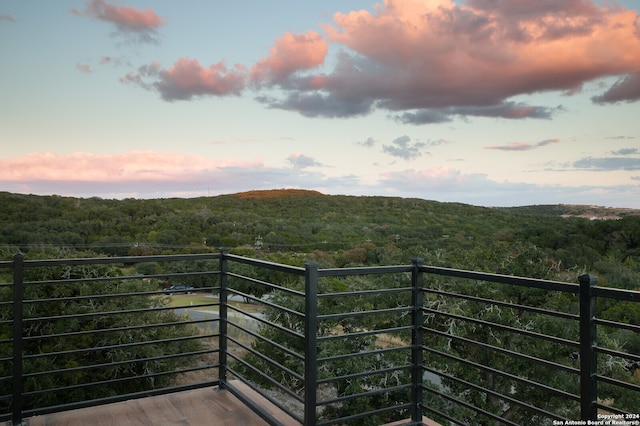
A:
341,229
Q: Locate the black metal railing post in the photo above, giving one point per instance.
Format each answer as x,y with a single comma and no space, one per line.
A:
222,316
18,297
417,299
310,342
588,342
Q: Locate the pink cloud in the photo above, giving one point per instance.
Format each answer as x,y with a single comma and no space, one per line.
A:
127,19
133,166
84,68
291,53
426,55
187,78
522,146
7,17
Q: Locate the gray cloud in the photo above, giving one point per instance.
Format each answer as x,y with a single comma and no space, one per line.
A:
521,146
626,151
625,89
7,17
403,148
507,110
369,143
301,161
608,163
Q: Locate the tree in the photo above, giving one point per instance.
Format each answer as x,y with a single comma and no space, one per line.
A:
124,369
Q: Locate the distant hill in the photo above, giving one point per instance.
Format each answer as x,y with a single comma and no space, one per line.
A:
575,210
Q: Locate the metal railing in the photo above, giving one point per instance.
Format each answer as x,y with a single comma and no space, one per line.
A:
327,346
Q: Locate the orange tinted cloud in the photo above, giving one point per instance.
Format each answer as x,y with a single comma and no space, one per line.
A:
127,19
432,55
187,78
291,53
134,166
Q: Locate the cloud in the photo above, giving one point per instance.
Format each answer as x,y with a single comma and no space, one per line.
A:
403,148
187,79
625,89
301,161
626,151
143,24
522,146
433,62
369,143
608,164
291,53
151,174
7,17
84,68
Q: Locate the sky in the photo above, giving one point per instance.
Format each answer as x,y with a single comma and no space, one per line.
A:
483,102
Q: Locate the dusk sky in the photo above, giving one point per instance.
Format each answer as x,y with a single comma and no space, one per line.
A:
484,102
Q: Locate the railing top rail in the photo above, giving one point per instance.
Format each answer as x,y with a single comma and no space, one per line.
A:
617,293
503,279
266,264
110,260
364,270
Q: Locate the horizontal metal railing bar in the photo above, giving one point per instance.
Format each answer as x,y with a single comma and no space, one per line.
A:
619,383
267,359
470,385
504,351
268,303
271,342
616,293
364,374
115,278
355,314
122,345
620,325
619,354
118,398
120,260
265,321
612,410
295,270
470,406
505,304
117,329
366,394
266,284
119,380
264,376
499,372
364,270
364,333
116,363
345,419
503,279
360,354
113,313
256,407
554,339
365,292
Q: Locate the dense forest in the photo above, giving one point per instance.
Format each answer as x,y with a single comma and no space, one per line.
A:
559,242
339,229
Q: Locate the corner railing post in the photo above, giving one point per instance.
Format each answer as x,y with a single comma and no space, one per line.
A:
417,298
588,342
310,342
222,315
18,297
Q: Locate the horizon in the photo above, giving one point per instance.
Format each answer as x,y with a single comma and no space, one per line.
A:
450,101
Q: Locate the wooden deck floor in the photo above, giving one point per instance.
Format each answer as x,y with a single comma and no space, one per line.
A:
200,407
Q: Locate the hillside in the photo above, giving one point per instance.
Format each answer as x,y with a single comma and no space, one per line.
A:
301,221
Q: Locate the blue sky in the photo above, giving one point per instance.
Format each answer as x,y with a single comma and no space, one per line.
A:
494,103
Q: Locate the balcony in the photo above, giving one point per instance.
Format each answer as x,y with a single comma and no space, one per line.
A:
278,344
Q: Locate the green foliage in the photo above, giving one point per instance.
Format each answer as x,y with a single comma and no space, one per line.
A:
49,330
